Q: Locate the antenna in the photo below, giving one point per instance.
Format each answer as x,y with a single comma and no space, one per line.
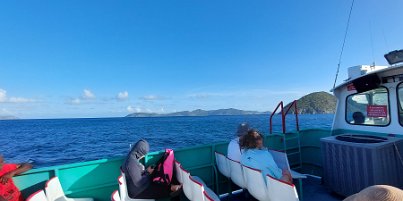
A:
344,42
372,44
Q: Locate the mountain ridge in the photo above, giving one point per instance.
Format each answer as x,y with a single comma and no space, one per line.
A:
198,112
312,103
315,103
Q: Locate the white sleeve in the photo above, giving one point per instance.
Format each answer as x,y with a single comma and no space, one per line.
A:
234,151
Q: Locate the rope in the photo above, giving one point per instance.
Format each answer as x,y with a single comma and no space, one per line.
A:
344,42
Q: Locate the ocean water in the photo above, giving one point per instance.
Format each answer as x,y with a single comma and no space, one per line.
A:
49,142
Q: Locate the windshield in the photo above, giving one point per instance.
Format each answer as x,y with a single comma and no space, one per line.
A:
368,108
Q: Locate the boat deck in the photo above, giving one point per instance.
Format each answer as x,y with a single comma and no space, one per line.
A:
312,191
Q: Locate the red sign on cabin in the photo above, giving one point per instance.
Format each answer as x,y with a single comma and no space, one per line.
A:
377,111
350,87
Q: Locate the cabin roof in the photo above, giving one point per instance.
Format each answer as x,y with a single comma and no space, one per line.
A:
350,80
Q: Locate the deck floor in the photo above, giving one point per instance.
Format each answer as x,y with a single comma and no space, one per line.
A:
312,191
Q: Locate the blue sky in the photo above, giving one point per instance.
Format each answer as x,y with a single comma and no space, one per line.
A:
64,59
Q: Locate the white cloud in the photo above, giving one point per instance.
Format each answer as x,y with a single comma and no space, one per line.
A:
138,109
123,95
252,93
87,94
74,101
5,99
132,109
151,98
85,98
3,95
201,95
20,100
5,112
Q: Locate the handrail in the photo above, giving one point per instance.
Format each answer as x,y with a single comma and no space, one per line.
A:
283,114
282,117
294,103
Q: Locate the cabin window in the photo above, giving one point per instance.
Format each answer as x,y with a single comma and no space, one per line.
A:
369,108
400,102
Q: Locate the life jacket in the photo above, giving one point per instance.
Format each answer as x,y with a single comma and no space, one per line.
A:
163,171
8,190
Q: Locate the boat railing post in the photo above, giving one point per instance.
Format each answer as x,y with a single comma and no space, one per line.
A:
282,117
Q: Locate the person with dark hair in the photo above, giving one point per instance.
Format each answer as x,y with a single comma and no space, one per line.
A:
255,155
8,190
358,117
139,180
234,151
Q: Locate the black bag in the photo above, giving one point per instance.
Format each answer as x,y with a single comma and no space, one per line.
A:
163,170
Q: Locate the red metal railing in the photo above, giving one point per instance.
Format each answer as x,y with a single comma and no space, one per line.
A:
283,114
282,117
294,103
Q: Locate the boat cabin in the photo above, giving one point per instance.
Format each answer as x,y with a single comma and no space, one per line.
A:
370,100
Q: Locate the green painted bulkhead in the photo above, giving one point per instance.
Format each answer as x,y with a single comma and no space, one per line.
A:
98,179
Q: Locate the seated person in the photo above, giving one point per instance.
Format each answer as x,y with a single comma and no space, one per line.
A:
138,179
358,117
8,191
234,151
255,155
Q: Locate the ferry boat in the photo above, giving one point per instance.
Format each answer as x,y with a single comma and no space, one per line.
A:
363,148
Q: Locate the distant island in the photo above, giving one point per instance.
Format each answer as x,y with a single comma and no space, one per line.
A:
313,103
316,103
198,112
8,117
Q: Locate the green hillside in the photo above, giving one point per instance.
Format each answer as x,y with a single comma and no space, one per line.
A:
316,103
